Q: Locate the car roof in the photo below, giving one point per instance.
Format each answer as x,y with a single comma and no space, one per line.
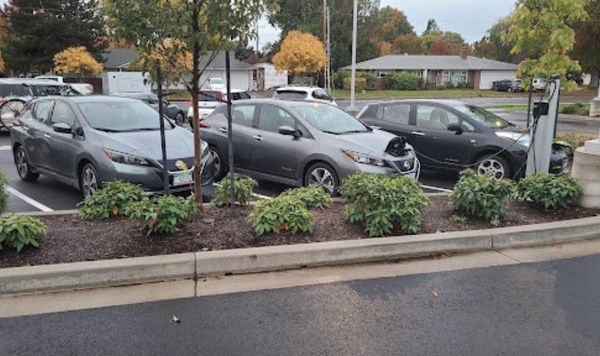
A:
30,81
289,103
447,102
131,94
91,99
297,88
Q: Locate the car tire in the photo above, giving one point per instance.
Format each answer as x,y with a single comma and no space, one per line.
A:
89,180
494,166
220,164
180,119
324,176
23,167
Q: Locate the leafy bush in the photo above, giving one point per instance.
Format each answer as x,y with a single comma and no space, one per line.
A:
112,200
360,83
383,202
576,108
162,215
284,213
244,187
3,194
19,231
482,196
313,198
371,79
549,191
406,81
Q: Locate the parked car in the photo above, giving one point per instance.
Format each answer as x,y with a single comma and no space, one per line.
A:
209,99
85,141
215,84
304,144
304,93
172,111
509,85
453,135
16,92
80,88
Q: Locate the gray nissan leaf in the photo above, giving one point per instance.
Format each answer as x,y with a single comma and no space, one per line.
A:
85,141
301,143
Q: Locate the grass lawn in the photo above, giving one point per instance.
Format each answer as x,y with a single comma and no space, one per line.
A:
340,94
576,109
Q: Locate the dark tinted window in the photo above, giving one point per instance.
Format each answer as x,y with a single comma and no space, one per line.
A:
63,113
290,94
320,94
244,96
209,96
397,113
13,90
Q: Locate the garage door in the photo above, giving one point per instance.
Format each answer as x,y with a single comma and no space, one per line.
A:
490,76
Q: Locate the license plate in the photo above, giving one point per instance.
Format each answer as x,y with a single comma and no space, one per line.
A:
182,178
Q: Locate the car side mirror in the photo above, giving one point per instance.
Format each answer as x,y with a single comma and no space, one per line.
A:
62,127
288,131
456,128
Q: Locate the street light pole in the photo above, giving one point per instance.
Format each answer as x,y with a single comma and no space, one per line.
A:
353,76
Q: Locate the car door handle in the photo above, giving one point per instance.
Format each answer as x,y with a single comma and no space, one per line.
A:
257,137
47,136
417,133
223,129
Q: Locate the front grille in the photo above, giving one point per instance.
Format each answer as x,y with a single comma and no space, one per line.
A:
405,165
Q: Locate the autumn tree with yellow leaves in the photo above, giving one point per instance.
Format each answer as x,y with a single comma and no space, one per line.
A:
1,63
301,53
76,60
175,62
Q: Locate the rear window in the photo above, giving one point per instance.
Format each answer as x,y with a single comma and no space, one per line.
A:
209,96
13,90
290,94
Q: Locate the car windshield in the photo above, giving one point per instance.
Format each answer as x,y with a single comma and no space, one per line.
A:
483,117
329,119
121,116
290,95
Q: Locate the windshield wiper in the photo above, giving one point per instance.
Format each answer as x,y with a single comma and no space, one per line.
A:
330,132
353,131
106,130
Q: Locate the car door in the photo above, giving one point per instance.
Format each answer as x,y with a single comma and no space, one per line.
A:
64,147
243,130
36,143
436,145
274,153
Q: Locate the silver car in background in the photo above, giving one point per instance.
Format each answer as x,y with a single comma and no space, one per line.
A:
302,143
85,141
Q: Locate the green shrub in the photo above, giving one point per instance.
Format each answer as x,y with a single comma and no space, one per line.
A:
360,83
3,194
406,81
313,198
19,231
382,202
162,215
284,213
371,79
576,108
112,200
244,188
482,196
549,191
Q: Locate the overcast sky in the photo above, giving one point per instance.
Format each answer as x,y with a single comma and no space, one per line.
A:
470,18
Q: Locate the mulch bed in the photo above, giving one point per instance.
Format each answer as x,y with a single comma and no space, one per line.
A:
71,239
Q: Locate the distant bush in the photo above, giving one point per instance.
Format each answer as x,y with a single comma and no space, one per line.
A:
360,83
576,108
18,231
112,200
162,215
371,79
383,202
3,193
312,197
549,191
282,214
406,81
481,195
244,188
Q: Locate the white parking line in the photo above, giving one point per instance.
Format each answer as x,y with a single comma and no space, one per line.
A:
27,199
4,148
436,188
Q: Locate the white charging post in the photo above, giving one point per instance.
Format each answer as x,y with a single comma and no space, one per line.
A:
542,134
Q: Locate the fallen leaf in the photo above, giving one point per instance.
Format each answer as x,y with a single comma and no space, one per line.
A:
434,293
175,319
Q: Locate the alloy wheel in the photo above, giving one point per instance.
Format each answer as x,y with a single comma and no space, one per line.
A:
322,177
21,162
89,182
216,160
492,167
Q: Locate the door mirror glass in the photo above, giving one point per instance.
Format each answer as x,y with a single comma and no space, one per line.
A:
288,130
455,127
62,127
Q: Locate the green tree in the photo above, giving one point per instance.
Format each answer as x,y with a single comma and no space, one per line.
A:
180,28
392,23
409,44
38,30
432,26
497,36
484,48
544,30
587,41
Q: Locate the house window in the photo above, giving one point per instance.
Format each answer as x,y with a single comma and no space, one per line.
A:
454,76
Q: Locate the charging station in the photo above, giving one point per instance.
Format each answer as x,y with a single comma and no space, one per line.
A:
543,129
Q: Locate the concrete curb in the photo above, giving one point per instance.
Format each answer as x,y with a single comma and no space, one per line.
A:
80,275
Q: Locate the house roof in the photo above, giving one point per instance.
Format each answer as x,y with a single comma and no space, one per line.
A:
420,62
117,58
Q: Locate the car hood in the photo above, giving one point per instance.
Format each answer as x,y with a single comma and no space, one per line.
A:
373,143
146,144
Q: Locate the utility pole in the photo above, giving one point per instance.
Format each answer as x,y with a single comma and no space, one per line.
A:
329,86
325,41
353,76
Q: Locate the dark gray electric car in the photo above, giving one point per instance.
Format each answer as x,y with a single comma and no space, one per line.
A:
84,141
304,144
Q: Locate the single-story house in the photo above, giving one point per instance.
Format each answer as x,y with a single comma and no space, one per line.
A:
118,59
442,70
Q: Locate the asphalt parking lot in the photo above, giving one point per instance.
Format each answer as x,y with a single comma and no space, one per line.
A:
47,194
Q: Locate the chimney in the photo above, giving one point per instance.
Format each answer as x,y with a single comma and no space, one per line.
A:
463,54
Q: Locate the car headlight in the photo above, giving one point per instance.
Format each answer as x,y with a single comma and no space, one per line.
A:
124,158
523,139
364,158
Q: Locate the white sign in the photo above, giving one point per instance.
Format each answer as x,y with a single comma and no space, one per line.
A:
125,82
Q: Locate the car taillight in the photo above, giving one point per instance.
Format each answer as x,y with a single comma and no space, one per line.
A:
15,123
223,97
204,125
